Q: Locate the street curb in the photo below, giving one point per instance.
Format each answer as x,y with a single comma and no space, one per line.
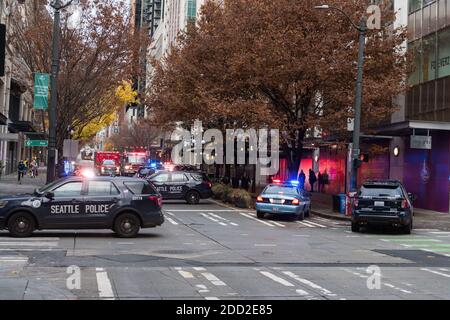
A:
330,216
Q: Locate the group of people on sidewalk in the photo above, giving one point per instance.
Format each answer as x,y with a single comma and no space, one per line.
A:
244,182
322,178
27,166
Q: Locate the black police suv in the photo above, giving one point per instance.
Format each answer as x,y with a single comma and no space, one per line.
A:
383,202
122,204
182,185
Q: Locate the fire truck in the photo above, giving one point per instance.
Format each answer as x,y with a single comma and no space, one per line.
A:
102,156
133,160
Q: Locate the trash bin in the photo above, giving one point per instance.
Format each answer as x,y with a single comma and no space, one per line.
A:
342,203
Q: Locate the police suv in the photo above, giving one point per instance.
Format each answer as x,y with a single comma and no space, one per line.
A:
122,204
190,186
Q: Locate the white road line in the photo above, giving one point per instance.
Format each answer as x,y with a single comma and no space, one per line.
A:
316,224
310,284
302,292
212,219
250,217
105,290
223,219
172,221
170,213
396,288
199,269
203,210
35,239
211,298
278,224
277,279
29,244
213,279
436,272
305,224
186,274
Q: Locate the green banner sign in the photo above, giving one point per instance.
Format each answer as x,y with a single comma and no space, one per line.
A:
41,82
36,143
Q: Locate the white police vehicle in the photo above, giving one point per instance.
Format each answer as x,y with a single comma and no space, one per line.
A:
124,205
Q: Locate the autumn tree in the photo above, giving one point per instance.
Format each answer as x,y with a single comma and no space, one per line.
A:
95,57
282,64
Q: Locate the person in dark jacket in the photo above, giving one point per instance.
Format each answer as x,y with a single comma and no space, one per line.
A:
235,182
302,180
21,170
312,179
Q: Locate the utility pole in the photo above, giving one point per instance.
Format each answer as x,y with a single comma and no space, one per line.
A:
358,102
57,5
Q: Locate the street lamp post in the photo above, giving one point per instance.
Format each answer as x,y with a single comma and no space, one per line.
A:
57,5
362,29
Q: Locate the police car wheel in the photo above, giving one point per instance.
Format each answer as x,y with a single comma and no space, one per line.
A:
193,197
127,225
21,225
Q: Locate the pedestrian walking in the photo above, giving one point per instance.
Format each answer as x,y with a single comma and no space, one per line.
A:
302,180
33,169
21,170
312,179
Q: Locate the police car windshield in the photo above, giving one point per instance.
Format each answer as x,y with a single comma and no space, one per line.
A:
289,190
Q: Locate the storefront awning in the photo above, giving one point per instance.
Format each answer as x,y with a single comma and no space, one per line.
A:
406,127
21,126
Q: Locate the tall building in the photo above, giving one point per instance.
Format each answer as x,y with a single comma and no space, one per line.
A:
421,128
147,13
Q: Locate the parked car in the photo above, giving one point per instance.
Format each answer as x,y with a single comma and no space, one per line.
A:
383,202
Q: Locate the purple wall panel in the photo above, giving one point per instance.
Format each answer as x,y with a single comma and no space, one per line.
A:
426,174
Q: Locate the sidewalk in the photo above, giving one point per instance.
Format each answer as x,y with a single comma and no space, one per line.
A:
10,185
322,205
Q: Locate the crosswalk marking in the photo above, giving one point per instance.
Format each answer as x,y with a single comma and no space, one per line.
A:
172,221
255,219
316,224
213,219
309,283
305,224
105,290
223,219
436,272
277,279
213,279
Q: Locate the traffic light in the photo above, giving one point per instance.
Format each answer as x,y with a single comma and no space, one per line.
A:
364,157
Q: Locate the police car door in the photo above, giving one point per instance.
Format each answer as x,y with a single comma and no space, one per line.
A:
65,208
101,200
178,185
161,183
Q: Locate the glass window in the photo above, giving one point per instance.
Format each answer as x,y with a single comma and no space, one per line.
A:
444,54
139,188
102,189
414,5
381,191
163,177
411,29
191,11
429,58
179,177
71,189
281,190
442,14
109,163
415,76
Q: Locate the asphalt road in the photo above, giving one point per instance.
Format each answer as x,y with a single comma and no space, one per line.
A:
213,252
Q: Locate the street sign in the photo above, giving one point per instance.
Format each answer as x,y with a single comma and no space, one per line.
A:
41,82
36,143
421,142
